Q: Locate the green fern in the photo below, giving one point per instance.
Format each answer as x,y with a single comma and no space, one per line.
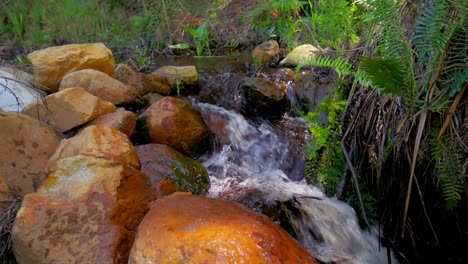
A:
340,65
449,168
386,75
459,79
394,53
325,158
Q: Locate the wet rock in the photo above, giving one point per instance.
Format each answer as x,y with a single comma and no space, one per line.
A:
176,123
161,162
69,108
266,52
180,77
264,98
143,83
313,87
148,83
121,120
223,90
101,85
26,145
51,64
279,74
201,230
100,142
16,93
87,211
152,98
298,54
164,187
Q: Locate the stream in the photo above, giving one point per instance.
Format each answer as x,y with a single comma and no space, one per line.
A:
258,162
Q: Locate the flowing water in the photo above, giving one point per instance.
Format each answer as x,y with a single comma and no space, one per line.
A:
253,156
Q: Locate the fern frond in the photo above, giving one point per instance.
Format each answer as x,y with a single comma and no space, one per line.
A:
457,82
441,41
449,168
386,75
394,51
429,37
340,65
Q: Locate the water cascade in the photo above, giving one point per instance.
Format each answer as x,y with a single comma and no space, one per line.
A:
251,156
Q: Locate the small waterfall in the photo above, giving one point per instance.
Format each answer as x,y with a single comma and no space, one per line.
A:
250,157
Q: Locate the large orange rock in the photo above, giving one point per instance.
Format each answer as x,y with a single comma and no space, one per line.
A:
26,145
161,162
99,142
51,64
182,228
87,211
142,83
176,123
147,83
101,85
69,108
121,120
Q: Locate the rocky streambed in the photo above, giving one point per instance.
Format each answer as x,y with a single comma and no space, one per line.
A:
119,166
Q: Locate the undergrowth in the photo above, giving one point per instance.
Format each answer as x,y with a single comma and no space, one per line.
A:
8,210
325,158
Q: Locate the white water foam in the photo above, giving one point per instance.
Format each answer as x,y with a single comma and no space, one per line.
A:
251,157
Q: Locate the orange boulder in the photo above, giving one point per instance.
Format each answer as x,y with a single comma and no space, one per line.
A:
147,83
51,64
86,211
176,123
265,52
182,228
25,146
69,108
99,142
121,120
101,85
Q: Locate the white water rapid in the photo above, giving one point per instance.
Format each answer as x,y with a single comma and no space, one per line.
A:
249,157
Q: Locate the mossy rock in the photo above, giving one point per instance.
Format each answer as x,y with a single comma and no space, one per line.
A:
162,162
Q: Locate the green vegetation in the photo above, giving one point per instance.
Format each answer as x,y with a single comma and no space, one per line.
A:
322,22
122,24
448,159
200,37
325,158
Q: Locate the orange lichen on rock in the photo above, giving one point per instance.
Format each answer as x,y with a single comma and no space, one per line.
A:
68,108
99,142
26,145
87,211
51,64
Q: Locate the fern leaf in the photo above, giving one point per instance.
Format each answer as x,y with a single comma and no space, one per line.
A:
449,167
386,75
340,65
